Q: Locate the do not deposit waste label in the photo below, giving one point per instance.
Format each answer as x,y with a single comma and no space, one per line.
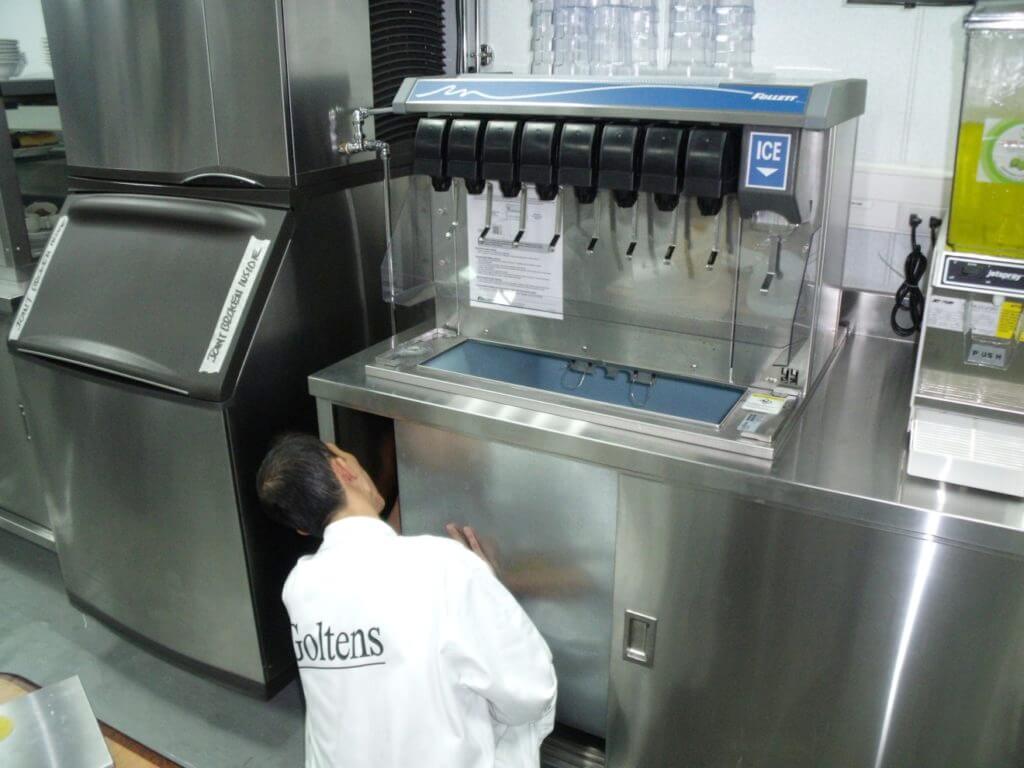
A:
29,299
526,280
230,317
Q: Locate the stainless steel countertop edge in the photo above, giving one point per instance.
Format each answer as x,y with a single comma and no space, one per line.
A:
859,478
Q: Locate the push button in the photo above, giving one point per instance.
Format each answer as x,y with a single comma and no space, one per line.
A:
428,151
577,159
465,150
712,167
500,153
661,171
619,162
537,156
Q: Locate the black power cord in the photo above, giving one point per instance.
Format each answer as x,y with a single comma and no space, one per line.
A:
909,297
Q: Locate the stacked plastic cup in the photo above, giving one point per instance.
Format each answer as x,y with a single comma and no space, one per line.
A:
611,37
690,41
572,22
543,40
643,30
732,29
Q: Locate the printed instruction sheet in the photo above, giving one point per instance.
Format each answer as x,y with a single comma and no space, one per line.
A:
526,280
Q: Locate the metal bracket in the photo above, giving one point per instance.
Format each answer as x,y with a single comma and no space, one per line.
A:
581,367
645,380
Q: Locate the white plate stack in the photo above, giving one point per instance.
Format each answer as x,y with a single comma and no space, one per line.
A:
12,60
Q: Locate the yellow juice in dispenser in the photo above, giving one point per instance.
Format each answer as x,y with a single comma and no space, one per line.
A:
988,190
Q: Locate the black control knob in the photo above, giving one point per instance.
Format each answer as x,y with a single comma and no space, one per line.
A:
662,165
465,153
577,159
538,155
619,162
501,154
712,167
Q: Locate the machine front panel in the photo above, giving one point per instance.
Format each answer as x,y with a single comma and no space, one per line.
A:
141,496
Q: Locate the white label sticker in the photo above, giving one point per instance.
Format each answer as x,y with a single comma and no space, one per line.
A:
984,318
945,313
751,423
761,403
526,280
37,279
230,316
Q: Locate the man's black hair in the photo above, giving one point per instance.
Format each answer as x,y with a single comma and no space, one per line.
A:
297,485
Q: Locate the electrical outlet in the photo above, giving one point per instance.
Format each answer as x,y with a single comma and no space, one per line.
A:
884,197
926,213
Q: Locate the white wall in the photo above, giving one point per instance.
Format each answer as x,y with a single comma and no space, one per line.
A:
23,21
913,61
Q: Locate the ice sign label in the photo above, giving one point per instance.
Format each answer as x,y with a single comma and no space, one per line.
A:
768,163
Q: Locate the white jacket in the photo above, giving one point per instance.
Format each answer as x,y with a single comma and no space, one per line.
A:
413,655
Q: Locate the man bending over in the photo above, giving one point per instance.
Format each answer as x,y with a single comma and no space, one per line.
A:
410,651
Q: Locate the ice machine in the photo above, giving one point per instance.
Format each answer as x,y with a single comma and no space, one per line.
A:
214,252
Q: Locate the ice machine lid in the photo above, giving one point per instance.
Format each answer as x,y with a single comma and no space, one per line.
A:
160,290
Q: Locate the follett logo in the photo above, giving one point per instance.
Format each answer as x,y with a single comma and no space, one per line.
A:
786,97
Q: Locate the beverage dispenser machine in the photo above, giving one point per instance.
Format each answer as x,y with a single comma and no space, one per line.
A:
623,271
967,418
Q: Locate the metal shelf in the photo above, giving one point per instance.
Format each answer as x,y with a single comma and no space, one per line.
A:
28,92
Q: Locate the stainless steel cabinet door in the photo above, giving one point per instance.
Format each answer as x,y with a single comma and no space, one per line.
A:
190,90
142,498
552,521
20,491
785,640
133,80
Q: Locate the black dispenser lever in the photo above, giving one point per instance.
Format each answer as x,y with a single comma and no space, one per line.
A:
577,165
712,167
577,159
619,171
501,155
662,165
500,164
619,162
429,151
465,152
538,157
661,173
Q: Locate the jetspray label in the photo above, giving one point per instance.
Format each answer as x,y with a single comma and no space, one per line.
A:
235,302
29,299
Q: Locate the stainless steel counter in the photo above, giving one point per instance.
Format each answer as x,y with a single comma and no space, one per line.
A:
822,610
845,458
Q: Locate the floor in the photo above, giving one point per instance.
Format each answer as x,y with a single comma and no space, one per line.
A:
191,720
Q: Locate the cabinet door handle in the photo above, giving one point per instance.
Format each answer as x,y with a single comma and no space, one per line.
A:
24,421
638,638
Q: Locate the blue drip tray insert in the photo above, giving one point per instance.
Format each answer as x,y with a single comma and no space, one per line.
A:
670,396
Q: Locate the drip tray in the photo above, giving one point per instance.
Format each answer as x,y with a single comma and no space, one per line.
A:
666,395
702,413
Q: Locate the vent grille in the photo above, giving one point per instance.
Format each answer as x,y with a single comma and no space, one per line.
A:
407,39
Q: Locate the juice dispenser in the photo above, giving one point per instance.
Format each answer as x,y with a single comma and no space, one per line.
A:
988,191
967,410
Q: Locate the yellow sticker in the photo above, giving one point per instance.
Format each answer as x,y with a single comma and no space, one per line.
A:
1009,316
6,727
